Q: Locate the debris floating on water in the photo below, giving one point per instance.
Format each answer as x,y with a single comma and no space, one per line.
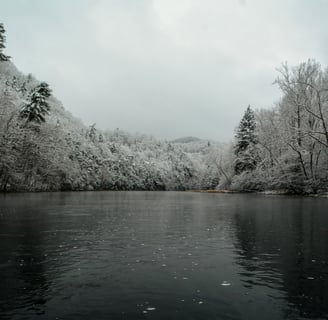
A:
151,308
225,283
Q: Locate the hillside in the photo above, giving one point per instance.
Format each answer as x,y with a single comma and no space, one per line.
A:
64,154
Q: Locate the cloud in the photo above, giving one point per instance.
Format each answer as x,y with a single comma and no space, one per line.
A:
167,67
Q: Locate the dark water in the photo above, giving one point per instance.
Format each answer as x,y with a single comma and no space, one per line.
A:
164,255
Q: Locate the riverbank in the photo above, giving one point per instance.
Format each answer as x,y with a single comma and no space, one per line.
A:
280,192
214,191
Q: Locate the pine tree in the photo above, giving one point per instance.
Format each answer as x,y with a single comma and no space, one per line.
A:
3,57
38,106
245,143
91,134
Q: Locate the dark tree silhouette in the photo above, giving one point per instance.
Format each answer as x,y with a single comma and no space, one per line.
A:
37,108
3,57
245,142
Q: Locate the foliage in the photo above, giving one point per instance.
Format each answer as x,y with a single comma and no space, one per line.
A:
245,135
37,107
291,146
63,154
245,143
285,147
3,57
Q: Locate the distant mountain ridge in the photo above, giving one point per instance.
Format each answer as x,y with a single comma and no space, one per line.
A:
187,140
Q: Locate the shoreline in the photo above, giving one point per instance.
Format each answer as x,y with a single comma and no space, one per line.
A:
213,191
266,192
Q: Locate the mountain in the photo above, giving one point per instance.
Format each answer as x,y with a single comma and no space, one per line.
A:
186,140
64,154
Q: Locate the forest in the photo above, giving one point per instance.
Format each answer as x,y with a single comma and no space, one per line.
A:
45,148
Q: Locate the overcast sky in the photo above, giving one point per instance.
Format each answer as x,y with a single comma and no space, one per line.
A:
170,68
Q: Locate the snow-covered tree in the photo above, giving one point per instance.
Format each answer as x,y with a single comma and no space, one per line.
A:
37,108
245,143
91,133
245,135
3,57
304,117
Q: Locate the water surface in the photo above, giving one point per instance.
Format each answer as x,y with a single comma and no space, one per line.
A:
162,255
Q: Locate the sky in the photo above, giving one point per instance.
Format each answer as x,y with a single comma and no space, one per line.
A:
170,68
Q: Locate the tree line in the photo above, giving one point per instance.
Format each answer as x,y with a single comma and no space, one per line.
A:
43,147
285,147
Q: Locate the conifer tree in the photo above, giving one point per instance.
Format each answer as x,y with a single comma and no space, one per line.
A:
3,57
245,142
38,106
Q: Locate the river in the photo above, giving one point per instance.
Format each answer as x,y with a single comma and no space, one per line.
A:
162,255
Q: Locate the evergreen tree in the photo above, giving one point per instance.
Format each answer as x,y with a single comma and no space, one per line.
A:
91,134
3,57
38,105
245,142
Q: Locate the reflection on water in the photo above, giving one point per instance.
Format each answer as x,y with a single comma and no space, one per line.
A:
162,255
282,244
